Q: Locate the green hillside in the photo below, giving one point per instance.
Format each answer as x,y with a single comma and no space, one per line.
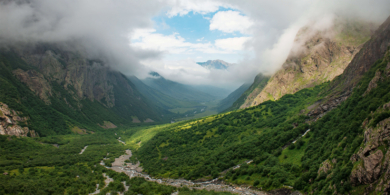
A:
262,134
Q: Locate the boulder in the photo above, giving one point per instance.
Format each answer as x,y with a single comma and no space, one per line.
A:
372,166
325,167
9,122
2,130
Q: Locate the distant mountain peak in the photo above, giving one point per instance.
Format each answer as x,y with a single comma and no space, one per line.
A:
215,64
155,74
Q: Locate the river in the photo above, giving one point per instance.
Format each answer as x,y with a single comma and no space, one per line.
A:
134,170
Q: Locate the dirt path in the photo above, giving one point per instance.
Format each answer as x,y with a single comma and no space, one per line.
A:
121,141
107,181
82,151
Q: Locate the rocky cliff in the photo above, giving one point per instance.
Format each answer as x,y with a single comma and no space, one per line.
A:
11,123
82,77
341,88
317,56
372,161
85,90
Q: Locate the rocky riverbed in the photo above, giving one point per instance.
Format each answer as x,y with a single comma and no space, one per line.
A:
134,170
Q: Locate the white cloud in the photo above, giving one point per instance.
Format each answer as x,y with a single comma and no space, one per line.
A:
201,39
98,26
103,25
230,22
180,7
188,72
147,39
272,58
231,44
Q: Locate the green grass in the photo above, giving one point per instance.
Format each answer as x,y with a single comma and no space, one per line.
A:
200,115
142,135
180,110
294,156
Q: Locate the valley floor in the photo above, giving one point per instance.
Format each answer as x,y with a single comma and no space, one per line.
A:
134,170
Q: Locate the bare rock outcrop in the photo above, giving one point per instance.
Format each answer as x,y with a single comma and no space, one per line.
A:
373,158
10,122
325,167
374,82
317,56
318,110
36,82
369,171
81,77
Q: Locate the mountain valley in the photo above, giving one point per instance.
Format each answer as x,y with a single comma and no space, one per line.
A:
74,121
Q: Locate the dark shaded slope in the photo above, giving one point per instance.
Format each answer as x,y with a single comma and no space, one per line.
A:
59,89
257,86
177,90
160,99
231,98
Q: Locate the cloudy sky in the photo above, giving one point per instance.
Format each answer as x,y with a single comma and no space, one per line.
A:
170,36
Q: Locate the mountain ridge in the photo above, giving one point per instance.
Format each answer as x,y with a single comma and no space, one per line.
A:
176,90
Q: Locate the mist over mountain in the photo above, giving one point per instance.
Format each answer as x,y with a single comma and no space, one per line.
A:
177,90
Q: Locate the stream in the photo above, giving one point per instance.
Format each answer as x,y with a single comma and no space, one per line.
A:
134,170
82,151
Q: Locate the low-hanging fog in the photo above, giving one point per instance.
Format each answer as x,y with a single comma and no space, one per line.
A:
103,28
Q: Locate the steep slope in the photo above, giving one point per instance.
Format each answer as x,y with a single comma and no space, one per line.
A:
215,64
317,56
341,88
58,89
279,143
248,96
176,90
233,97
160,99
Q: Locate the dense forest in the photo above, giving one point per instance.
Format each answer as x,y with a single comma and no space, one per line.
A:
54,165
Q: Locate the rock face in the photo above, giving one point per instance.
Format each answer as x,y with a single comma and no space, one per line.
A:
84,78
67,77
318,110
373,50
373,159
341,88
316,57
10,122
